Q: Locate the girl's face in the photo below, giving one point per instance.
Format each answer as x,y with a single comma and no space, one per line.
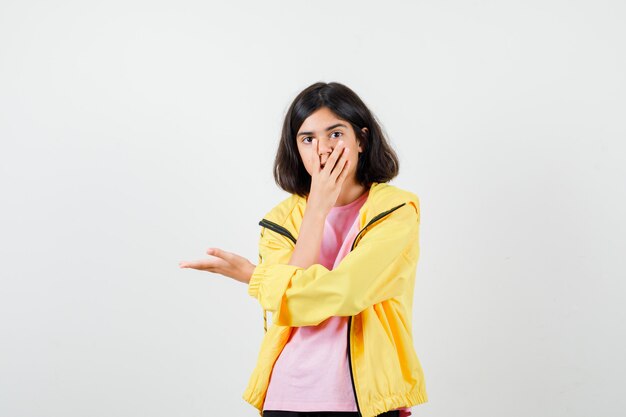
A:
328,129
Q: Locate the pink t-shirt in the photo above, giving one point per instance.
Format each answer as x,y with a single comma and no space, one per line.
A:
312,372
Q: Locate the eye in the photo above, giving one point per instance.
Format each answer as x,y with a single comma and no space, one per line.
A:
305,138
340,134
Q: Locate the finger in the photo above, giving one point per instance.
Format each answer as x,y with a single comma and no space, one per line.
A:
315,156
227,256
344,172
340,164
334,156
339,169
203,265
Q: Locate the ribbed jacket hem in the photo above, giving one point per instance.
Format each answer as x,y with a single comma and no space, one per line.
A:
391,403
367,410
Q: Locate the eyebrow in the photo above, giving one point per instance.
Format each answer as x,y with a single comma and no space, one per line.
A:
327,129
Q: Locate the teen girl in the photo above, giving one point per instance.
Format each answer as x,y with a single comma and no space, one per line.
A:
336,269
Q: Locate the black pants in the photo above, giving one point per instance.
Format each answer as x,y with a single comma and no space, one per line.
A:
280,413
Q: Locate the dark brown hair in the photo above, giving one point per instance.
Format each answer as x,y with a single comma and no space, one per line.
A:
377,163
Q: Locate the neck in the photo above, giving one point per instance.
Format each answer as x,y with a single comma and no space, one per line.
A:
350,191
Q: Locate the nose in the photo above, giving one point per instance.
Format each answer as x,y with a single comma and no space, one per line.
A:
324,147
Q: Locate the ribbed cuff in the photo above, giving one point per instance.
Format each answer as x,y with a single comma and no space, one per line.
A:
255,281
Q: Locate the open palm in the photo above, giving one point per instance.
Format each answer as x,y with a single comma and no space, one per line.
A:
224,263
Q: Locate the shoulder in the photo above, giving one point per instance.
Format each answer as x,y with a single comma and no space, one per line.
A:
285,209
386,196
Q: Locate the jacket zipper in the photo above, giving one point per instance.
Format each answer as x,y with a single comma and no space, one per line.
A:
280,229
277,228
374,219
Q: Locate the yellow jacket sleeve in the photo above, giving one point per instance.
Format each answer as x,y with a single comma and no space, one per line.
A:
375,270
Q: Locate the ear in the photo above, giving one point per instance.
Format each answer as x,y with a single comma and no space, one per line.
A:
364,132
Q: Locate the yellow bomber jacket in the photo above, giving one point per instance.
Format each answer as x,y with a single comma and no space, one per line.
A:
372,285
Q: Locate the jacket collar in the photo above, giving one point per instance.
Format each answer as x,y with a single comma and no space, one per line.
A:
382,198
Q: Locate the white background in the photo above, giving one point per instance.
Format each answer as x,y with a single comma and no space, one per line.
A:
135,134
